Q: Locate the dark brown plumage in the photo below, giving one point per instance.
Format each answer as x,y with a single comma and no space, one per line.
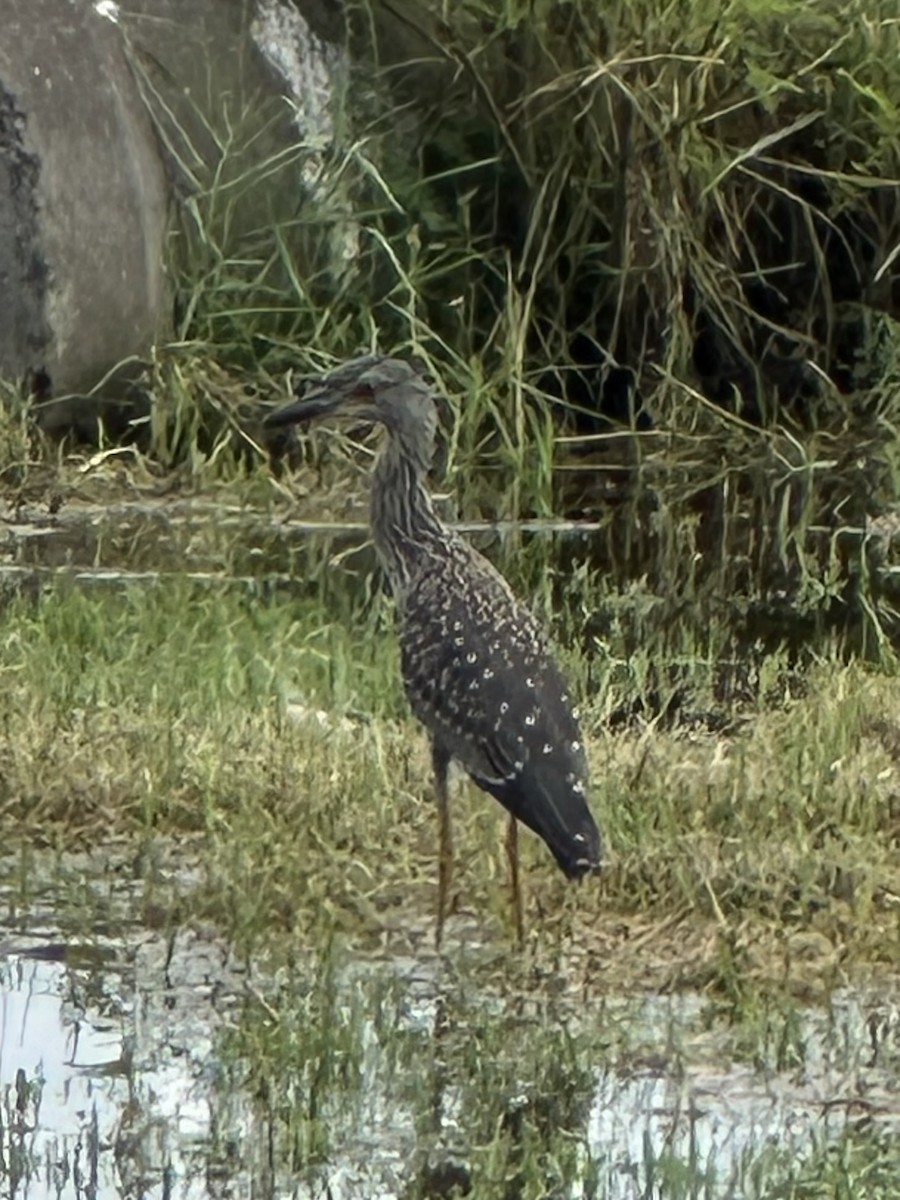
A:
476,665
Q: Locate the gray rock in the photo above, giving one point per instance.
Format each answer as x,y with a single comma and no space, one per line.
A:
82,198
109,113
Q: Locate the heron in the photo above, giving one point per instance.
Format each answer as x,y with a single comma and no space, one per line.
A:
476,664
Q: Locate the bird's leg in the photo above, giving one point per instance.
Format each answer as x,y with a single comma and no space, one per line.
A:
440,760
512,853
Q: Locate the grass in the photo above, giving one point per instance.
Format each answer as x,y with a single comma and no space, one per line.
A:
396,1075
595,213
260,730
650,258
504,1092
274,729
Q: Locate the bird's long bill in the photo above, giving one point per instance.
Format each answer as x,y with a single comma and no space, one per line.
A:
341,390
320,401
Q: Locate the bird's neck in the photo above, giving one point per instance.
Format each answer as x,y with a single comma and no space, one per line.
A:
405,528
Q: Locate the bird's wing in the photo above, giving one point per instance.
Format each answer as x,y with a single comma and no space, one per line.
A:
479,675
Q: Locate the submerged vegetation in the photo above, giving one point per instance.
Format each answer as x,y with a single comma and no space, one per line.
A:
650,253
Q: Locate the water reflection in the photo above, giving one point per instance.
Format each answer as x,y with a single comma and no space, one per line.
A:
113,1079
61,1083
107,1073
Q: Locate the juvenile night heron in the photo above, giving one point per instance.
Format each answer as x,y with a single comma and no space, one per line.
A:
475,662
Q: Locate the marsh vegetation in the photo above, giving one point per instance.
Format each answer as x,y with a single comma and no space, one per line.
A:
651,258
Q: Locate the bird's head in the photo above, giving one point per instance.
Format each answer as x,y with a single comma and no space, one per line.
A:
371,388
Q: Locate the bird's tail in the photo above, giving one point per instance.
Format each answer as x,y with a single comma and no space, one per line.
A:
558,813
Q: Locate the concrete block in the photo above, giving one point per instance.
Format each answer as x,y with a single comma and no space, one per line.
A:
83,198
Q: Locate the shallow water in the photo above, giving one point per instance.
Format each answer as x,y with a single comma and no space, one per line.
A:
119,1076
137,540
142,1061
107,1063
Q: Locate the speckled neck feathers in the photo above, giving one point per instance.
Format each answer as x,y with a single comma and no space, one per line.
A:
406,530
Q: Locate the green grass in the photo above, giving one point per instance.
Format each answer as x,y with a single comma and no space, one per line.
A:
466,1075
684,194
703,197
275,731
688,196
